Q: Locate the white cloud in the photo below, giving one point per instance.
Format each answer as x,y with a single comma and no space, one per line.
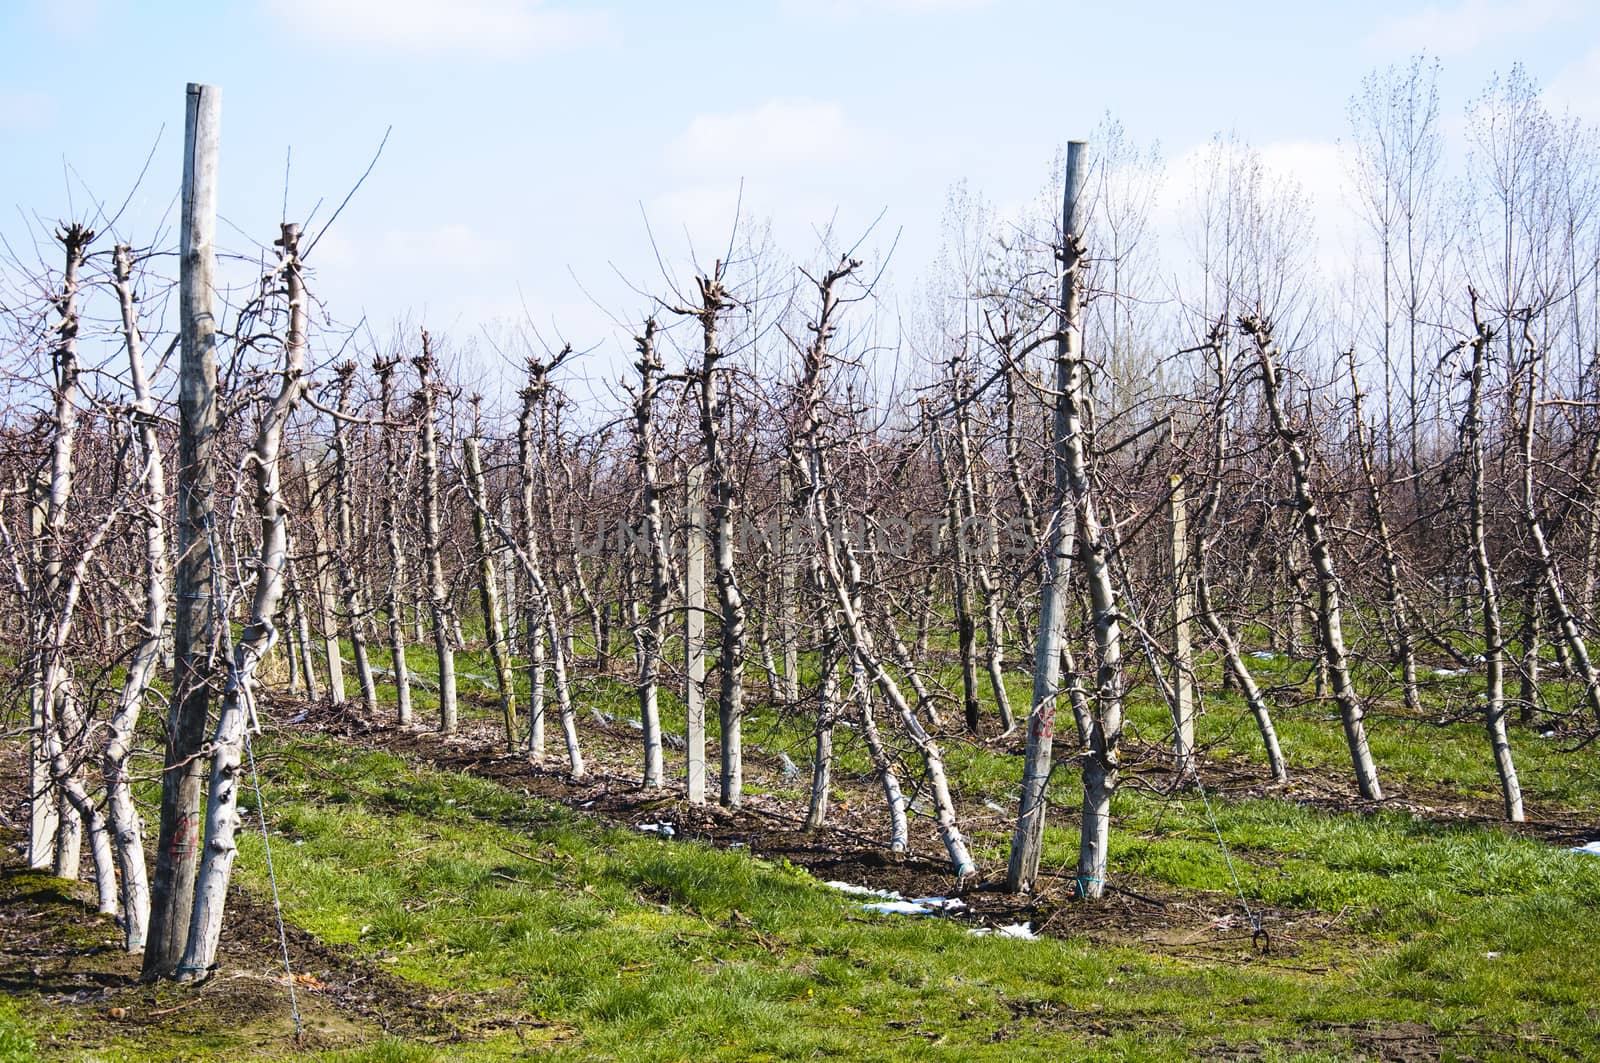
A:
1460,27
478,27
777,135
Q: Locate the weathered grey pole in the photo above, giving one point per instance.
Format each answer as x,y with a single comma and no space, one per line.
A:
177,853
1055,593
1182,649
694,636
44,817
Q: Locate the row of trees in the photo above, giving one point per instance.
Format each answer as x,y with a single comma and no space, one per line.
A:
1062,470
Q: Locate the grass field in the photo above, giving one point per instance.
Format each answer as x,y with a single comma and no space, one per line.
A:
497,920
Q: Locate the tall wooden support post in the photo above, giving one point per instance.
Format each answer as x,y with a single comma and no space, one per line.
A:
44,818
1183,685
177,852
1027,844
694,635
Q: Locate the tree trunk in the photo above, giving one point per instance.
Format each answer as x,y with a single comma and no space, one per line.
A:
694,635
127,830
1399,607
961,598
58,823
77,807
1235,671
238,701
651,631
1532,630
323,581
822,756
393,605
841,570
894,798
1494,712
1101,760
301,635
489,590
530,455
788,627
344,545
1352,711
1549,571
714,301
439,606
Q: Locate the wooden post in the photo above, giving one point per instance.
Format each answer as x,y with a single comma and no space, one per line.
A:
43,820
694,596
1027,843
177,851
1182,612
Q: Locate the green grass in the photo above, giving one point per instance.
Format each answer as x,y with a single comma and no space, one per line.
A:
17,1044
609,944
603,943
652,949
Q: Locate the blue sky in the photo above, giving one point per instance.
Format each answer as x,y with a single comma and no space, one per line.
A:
528,134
